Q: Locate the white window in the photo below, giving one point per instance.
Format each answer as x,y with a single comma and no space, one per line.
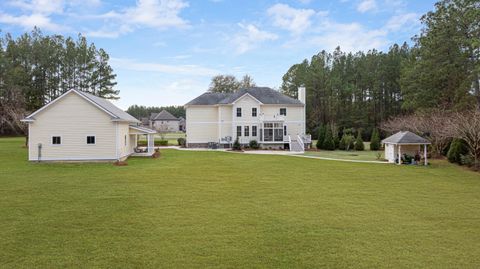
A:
273,132
254,130
91,140
285,130
283,111
254,111
125,140
239,111
239,131
56,140
246,130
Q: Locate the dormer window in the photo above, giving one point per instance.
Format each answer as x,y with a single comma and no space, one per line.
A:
239,111
283,112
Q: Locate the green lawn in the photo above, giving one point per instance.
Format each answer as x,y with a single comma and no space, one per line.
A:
223,210
171,137
365,155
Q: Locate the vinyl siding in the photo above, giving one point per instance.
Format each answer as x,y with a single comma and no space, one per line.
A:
124,144
210,123
202,124
73,118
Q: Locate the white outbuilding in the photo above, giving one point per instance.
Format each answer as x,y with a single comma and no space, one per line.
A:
405,142
78,126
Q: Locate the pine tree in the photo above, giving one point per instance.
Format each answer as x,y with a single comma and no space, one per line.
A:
375,140
321,136
328,142
359,142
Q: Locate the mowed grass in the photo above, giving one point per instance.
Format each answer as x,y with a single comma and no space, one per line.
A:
224,210
366,155
172,138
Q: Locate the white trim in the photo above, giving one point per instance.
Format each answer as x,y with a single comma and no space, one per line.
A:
94,139
236,100
229,122
143,129
63,95
56,145
77,159
390,143
116,140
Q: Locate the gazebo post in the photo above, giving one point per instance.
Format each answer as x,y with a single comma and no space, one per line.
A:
399,154
425,153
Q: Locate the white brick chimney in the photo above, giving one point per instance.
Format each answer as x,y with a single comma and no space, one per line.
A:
301,94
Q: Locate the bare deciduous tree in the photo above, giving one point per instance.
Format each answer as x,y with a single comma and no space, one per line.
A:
12,110
431,125
466,125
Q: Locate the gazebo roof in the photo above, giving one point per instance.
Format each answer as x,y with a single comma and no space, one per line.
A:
405,137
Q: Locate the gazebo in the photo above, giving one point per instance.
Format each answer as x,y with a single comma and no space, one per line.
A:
404,142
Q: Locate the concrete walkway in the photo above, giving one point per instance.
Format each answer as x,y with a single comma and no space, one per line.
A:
273,152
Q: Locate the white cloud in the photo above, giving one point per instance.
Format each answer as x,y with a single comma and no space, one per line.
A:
367,5
38,13
350,37
294,20
156,13
250,37
30,21
403,21
39,6
134,65
159,14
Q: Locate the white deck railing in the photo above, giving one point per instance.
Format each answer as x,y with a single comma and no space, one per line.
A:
300,141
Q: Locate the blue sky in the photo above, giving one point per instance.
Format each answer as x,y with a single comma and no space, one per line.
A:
164,52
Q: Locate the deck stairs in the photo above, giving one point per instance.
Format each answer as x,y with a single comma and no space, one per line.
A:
296,144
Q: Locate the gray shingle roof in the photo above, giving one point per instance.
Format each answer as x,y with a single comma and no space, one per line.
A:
405,137
165,115
262,94
107,105
153,115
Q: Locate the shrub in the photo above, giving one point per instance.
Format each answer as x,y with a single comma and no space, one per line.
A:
162,142
321,136
181,141
359,142
467,160
457,149
236,145
375,140
328,143
347,142
342,144
254,144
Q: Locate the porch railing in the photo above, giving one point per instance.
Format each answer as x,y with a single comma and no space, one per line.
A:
300,141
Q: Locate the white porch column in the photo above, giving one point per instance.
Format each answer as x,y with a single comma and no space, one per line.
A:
149,142
399,154
425,153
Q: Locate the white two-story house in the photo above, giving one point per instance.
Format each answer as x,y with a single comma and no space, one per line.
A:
271,118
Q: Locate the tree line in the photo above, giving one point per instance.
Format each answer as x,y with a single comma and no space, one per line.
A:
364,89
145,111
37,68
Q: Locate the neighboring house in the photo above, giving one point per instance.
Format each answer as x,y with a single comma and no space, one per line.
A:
78,126
404,143
164,122
271,118
182,124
